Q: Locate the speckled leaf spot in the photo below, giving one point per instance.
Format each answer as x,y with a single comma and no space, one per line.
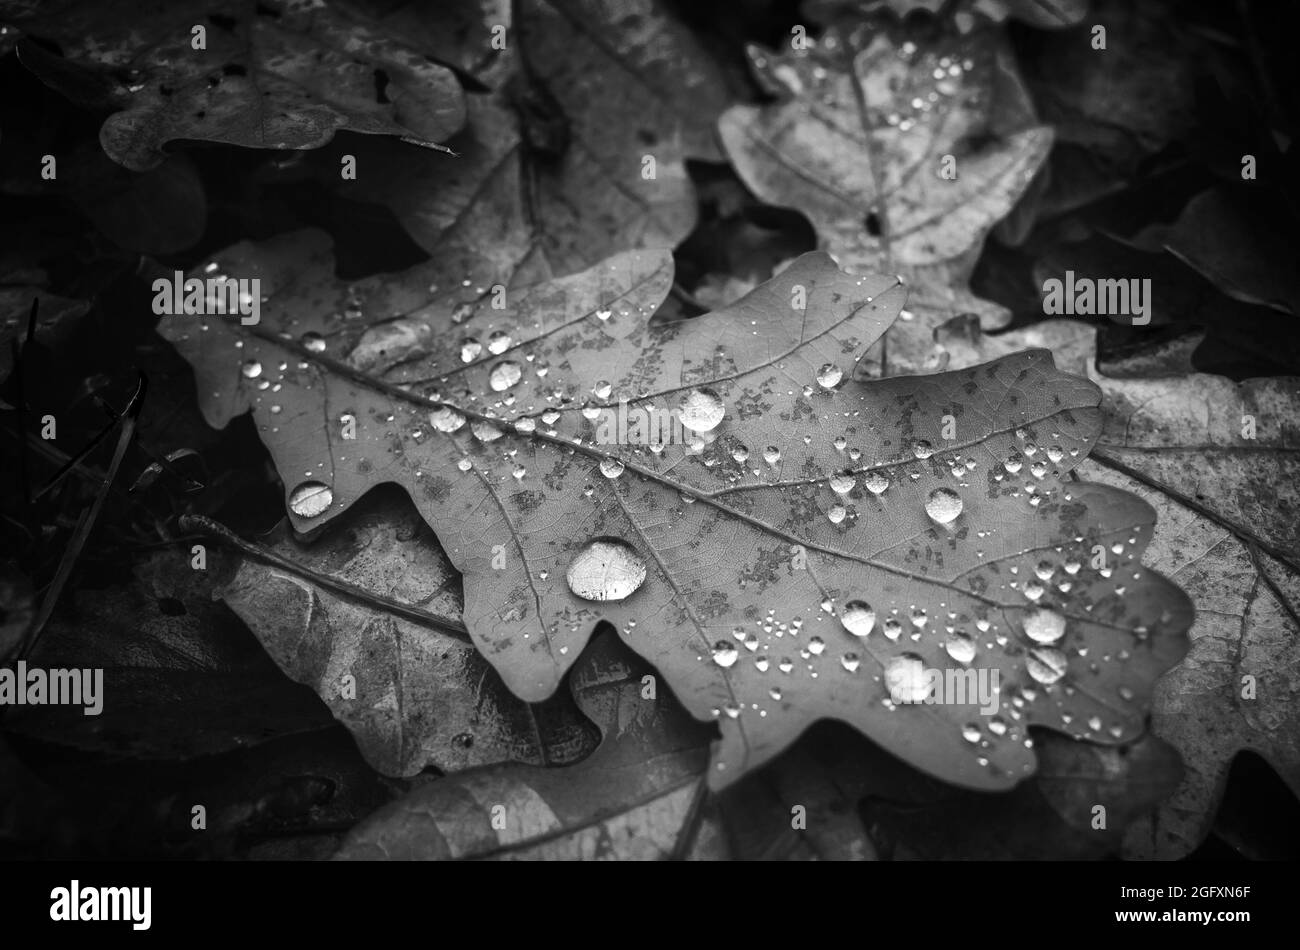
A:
801,542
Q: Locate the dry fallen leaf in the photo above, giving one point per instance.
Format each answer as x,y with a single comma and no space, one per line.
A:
638,797
1227,532
420,695
904,148
270,74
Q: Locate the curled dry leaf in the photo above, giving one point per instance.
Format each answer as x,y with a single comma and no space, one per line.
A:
903,148
1229,532
805,539
638,796
419,694
271,74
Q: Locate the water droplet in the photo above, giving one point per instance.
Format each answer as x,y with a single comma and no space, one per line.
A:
858,618
1044,626
960,647
310,499
611,467
464,465
526,425
485,431
922,449
906,680
602,389
785,665
551,417
836,514
771,455
829,376
850,662
891,628
943,505
919,618
843,483
606,569
446,419
1046,665
701,410
498,342
725,654
470,350
1013,463
970,732
313,342
504,375
816,645
876,482
519,472
740,453
251,370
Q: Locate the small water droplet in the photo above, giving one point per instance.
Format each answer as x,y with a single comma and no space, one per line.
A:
858,618
446,419
970,732
836,514
850,662
740,453
611,467
922,449
906,679
960,647
504,375
1046,665
771,455
470,350
602,389
1044,626
310,499
700,410
485,431
498,342
251,369
943,505
313,342
829,376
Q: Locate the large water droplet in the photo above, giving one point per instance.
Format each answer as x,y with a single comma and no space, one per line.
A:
611,467
470,350
313,342
606,569
858,617
922,449
504,375
842,483
1044,626
876,482
446,419
1046,665
943,505
485,431
251,370
701,410
602,389
310,499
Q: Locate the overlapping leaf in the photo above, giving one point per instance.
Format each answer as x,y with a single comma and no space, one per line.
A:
272,73
1227,531
419,694
751,557
637,797
867,124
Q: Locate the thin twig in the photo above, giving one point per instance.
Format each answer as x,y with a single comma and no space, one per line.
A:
206,526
